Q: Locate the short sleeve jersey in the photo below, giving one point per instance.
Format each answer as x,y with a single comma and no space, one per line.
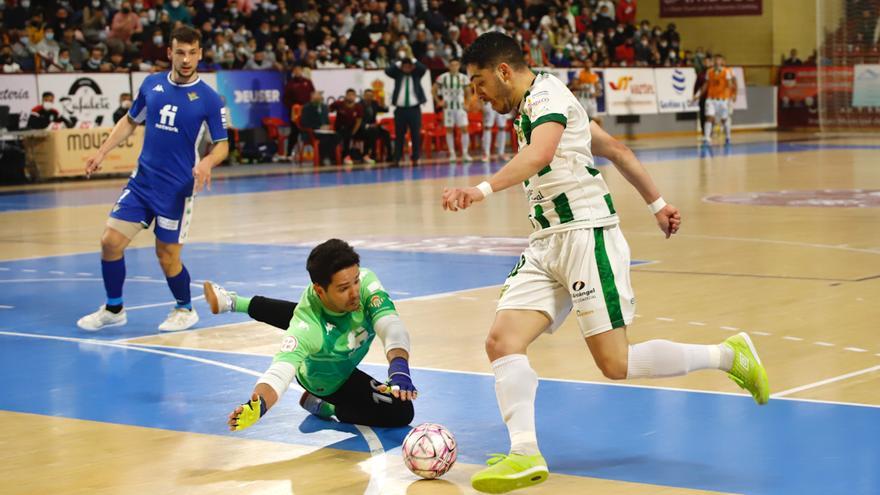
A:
175,117
452,89
720,83
569,193
587,82
326,347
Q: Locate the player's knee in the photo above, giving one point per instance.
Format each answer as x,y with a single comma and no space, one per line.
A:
112,246
497,346
168,260
405,414
613,367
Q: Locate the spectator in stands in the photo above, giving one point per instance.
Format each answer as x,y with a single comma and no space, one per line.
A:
209,62
45,113
366,60
95,63
382,60
62,63
258,62
626,11
625,54
124,105
792,58
299,88
671,35
177,11
315,119
73,41
408,98
48,48
605,17
434,62
559,59
94,22
16,17
642,51
7,61
125,24
21,52
117,63
349,118
536,56
371,131
154,50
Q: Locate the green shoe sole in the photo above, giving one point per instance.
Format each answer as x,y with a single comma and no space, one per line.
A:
529,477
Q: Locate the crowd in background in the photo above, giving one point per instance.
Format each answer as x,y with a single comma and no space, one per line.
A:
124,35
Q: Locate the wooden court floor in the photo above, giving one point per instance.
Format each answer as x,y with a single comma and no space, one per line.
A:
804,281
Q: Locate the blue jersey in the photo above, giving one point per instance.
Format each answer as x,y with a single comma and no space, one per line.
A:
175,117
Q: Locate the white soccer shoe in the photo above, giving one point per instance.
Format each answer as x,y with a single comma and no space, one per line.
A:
452,156
179,319
219,299
466,157
102,318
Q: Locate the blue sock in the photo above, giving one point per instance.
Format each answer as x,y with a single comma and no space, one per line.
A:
179,285
114,276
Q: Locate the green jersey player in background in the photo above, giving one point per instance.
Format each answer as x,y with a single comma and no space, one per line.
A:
327,335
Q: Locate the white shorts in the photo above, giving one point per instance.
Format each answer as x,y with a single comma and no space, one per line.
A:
585,269
590,106
719,108
491,118
455,118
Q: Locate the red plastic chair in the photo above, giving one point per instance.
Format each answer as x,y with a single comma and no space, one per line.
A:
279,131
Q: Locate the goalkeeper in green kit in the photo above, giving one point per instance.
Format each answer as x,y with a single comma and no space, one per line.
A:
327,335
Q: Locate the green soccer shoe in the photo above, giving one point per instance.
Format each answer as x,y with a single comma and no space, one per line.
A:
509,472
747,370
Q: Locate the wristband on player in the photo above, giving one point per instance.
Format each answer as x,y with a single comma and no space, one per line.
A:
657,205
398,374
485,188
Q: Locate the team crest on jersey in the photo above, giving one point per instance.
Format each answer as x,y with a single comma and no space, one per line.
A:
375,302
289,344
192,95
158,88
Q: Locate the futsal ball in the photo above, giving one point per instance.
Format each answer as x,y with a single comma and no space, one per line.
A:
429,450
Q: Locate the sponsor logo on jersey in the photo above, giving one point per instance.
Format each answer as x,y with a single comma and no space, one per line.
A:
167,115
580,295
289,344
158,88
329,327
167,223
584,314
373,287
192,95
578,286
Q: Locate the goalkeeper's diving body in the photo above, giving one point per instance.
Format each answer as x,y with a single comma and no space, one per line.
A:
327,335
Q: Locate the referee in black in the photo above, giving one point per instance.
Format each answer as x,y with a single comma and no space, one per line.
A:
408,98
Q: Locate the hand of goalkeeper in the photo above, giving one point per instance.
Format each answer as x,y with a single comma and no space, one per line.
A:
399,382
247,414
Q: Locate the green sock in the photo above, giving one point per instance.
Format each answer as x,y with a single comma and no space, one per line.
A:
240,305
327,410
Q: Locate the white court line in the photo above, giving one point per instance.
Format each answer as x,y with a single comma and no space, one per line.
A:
56,272
4,306
697,323
28,270
824,344
794,339
3,269
661,318
855,349
377,471
732,329
765,334
156,305
825,382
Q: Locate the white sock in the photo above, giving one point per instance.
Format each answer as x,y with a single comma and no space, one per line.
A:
487,142
659,358
450,141
515,386
707,130
502,141
465,142
727,128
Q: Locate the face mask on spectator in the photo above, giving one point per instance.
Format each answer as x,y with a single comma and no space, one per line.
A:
420,27
209,6
401,54
138,6
24,40
26,4
430,53
157,40
50,36
534,41
126,104
233,11
175,4
519,38
48,105
96,4
365,56
527,25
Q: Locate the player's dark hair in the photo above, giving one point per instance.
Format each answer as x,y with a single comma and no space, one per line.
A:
47,93
186,34
493,48
328,258
350,90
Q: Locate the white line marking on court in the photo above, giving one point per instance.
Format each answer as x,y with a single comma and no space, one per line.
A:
855,349
825,382
400,293
156,305
266,268
28,270
824,344
233,283
661,318
142,277
84,274
697,323
3,269
765,334
795,339
377,468
298,286
732,329
56,272
265,284
4,306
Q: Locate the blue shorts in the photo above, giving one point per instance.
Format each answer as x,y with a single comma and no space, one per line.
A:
172,217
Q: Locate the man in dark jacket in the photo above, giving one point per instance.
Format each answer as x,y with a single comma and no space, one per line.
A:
407,98
370,129
315,119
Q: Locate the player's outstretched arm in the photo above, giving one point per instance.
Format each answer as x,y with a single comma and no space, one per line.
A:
245,415
527,162
120,133
604,145
202,171
395,338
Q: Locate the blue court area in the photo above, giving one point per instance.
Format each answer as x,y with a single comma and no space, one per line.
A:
683,439
16,201
72,285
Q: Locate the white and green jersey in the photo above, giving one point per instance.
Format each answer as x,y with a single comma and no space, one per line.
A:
569,193
451,89
325,347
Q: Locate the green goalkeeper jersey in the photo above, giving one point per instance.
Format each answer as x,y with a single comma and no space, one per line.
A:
325,347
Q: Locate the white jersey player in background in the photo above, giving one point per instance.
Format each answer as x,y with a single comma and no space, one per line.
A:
450,87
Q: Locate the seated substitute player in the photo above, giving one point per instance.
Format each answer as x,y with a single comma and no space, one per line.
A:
328,333
577,257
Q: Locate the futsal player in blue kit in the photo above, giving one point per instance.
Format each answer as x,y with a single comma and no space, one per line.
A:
176,108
